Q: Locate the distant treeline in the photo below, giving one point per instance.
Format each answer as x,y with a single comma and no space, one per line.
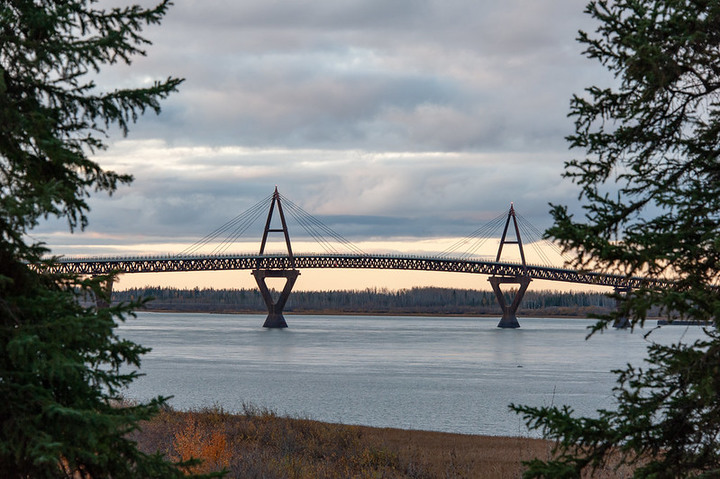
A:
372,301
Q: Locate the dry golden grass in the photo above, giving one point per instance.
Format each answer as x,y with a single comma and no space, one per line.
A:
259,444
448,455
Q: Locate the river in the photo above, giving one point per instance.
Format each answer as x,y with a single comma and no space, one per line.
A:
441,374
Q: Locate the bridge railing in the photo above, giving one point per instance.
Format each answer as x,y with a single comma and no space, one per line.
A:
171,257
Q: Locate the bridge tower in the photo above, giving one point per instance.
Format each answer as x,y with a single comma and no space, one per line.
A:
275,318
509,317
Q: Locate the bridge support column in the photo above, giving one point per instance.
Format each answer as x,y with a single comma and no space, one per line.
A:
103,299
275,318
509,318
621,322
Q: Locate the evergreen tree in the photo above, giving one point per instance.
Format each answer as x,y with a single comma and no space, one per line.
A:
60,378
650,186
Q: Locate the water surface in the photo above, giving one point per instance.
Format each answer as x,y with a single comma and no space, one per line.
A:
443,374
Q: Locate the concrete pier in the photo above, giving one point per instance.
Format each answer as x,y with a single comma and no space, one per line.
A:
509,316
275,318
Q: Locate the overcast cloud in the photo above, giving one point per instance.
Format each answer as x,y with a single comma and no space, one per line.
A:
412,118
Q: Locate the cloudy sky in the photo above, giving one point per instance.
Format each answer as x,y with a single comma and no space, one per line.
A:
395,122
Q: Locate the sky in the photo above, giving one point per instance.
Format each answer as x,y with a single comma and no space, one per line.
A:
403,125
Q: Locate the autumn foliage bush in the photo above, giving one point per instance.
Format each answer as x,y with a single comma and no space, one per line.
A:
194,440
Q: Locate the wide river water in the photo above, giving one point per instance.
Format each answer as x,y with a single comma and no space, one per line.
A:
441,374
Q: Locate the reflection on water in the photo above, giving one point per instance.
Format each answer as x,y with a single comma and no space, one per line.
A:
445,374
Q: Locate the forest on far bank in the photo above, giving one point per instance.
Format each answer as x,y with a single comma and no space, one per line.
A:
426,300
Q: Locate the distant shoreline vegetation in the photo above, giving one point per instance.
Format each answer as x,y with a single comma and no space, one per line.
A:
379,301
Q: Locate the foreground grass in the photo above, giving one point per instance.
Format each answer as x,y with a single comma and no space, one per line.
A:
260,444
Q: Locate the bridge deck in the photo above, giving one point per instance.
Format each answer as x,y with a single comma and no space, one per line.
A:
163,264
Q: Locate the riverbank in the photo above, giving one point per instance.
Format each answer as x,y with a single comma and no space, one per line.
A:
257,443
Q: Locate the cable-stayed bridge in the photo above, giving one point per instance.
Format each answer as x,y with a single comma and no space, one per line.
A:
287,264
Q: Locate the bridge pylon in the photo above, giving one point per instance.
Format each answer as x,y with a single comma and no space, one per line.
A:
275,318
509,311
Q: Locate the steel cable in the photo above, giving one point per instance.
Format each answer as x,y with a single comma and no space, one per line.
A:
319,230
240,222
477,237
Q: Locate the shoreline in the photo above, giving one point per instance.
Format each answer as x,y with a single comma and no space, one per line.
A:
362,313
381,313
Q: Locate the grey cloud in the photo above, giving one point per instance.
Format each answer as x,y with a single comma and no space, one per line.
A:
354,73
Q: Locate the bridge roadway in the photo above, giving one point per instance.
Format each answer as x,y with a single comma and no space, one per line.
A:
165,264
